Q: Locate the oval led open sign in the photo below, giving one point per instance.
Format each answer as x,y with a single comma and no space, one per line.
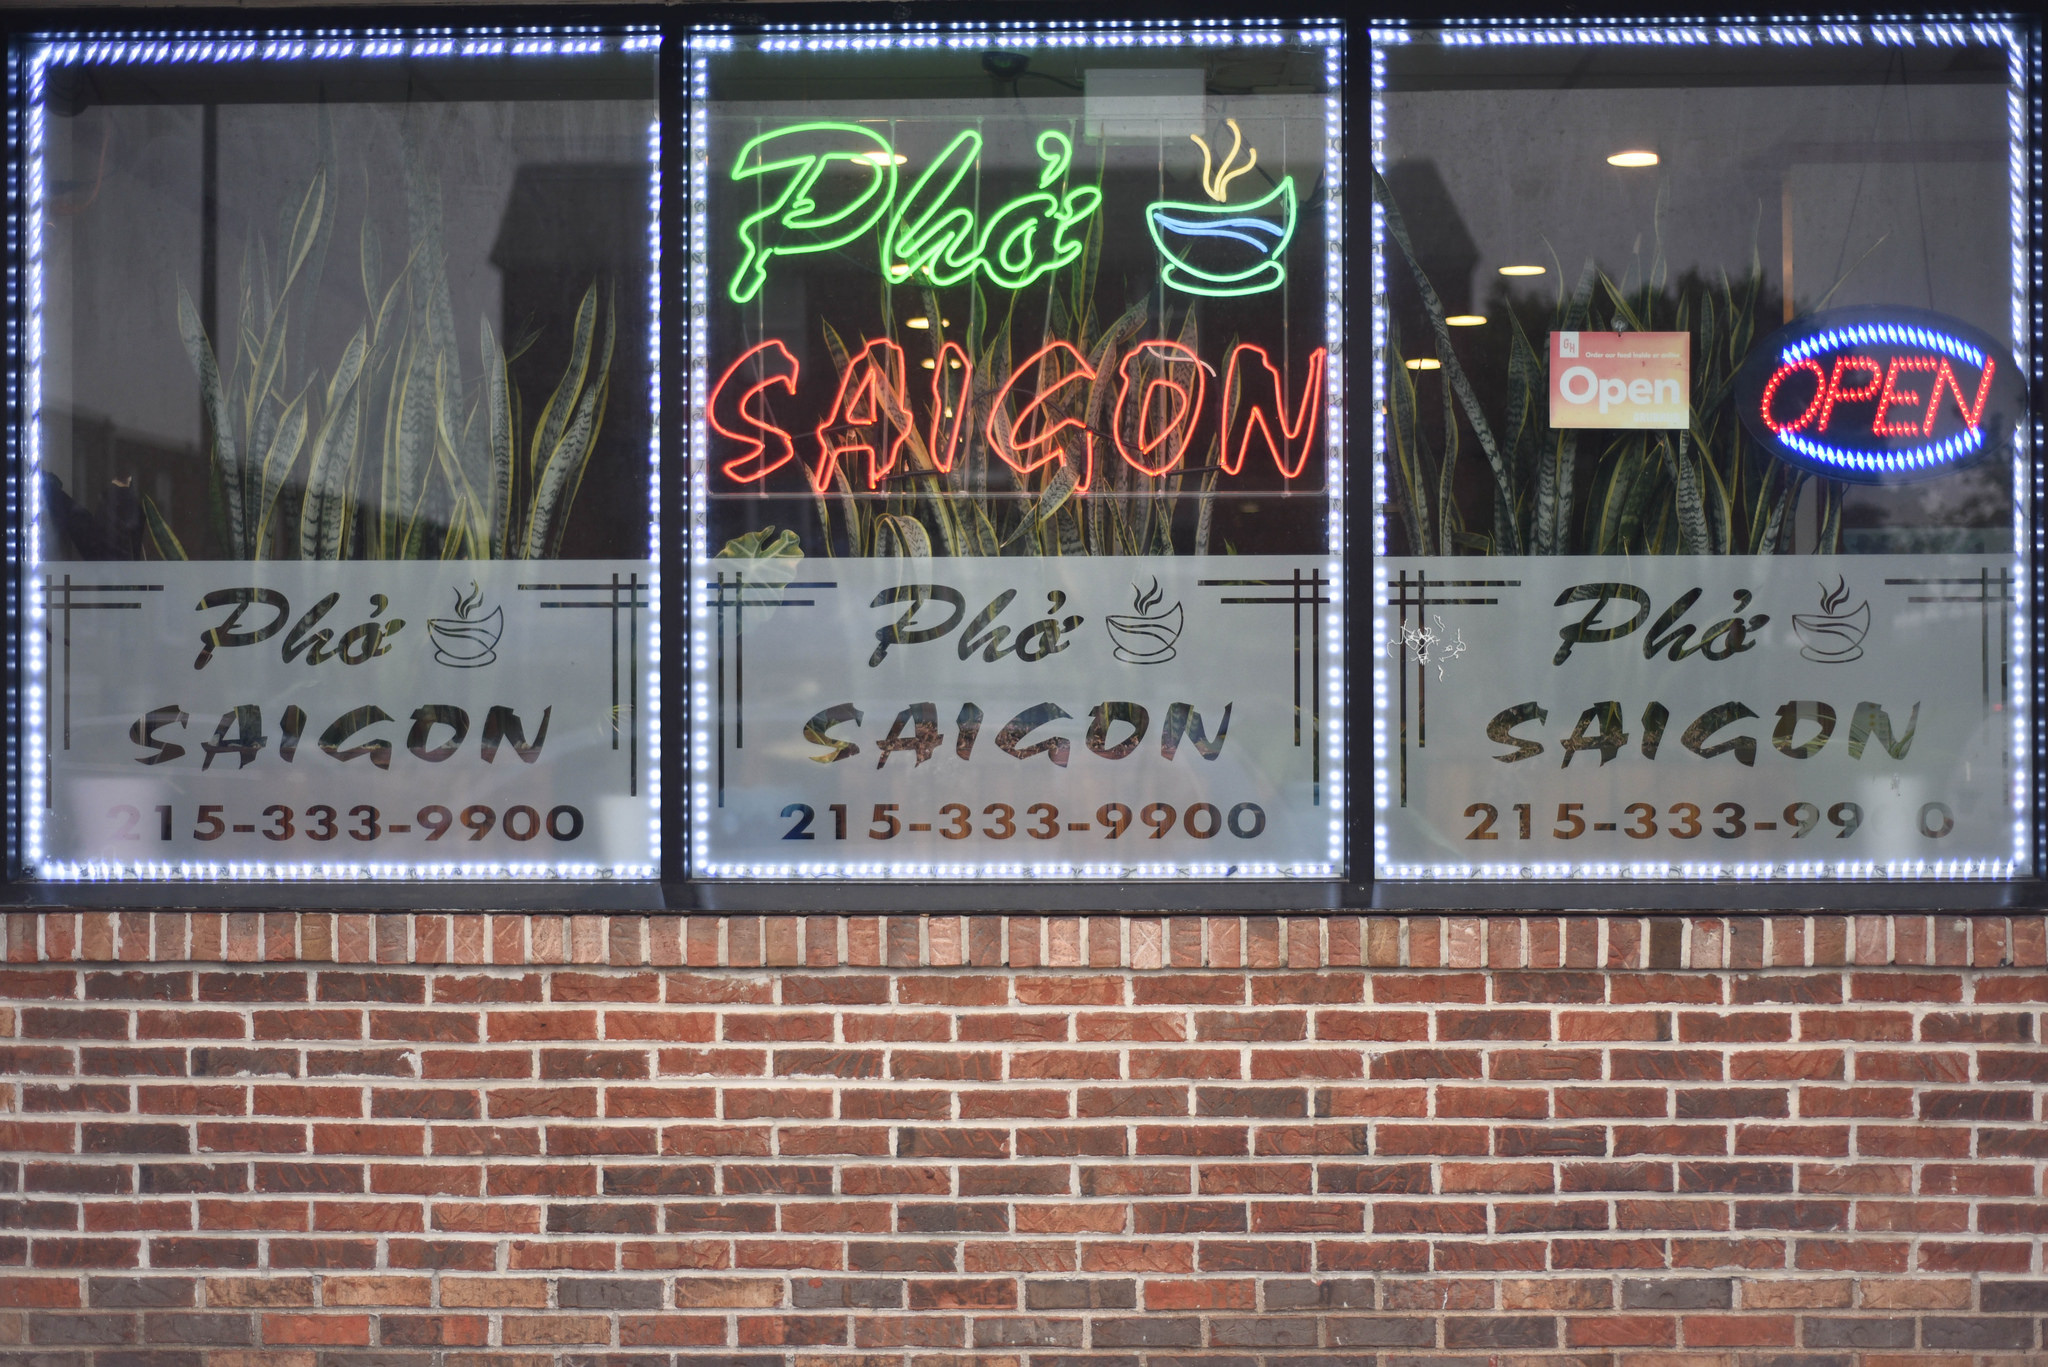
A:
1880,395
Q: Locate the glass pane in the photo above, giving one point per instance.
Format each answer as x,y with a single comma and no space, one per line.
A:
1018,485
344,535
1702,530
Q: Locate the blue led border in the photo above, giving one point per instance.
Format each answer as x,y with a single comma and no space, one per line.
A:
280,46
704,42
1892,334
2030,631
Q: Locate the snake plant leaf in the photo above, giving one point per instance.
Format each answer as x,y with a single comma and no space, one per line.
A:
500,436
563,463
1206,508
901,537
1693,537
1460,383
305,231
323,512
1128,324
225,458
983,531
276,463
166,542
1068,536
1411,497
558,412
370,255
1580,307
1057,492
602,384
448,455
1617,296
1621,474
944,515
413,435
1527,392
1649,478
1449,519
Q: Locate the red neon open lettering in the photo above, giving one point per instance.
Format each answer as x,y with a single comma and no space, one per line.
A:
1973,413
1837,392
1893,396
1785,372
1288,441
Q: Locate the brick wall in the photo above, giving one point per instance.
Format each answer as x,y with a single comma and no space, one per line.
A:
1123,1142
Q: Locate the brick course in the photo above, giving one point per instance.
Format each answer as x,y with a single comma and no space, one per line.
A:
310,1139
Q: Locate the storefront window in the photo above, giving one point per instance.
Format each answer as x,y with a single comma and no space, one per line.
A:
1705,487
1018,522
339,544
1018,463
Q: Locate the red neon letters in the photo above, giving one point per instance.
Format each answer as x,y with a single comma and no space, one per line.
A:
1049,392
754,463
1883,386
1026,442
1290,447
949,410
868,405
1185,406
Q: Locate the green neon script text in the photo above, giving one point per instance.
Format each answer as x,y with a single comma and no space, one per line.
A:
800,223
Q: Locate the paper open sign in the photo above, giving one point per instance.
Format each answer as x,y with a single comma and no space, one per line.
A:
1620,379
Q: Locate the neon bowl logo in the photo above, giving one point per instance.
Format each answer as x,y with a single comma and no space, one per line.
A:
1879,395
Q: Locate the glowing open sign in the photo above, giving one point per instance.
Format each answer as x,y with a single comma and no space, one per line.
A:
1879,395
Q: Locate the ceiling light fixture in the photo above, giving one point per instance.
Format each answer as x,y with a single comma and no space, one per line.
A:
1633,159
1466,320
1522,270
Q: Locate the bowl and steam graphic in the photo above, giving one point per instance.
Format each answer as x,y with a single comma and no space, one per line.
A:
1221,249
1142,636
1832,636
467,641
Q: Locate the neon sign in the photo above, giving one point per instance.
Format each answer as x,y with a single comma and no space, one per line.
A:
1879,395
1220,249
806,151
929,237
1161,393
925,237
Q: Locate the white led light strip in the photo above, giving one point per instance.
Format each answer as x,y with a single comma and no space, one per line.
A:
314,46
2022,112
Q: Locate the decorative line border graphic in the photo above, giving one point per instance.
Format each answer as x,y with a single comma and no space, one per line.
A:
2005,582
720,586
59,598
1398,598
1297,600
631,598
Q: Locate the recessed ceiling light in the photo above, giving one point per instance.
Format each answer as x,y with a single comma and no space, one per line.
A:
922,323
1425,363
1633,159
1466,320
878,158
1522,270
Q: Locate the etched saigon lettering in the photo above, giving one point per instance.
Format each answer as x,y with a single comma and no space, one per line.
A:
1601,727
437,730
